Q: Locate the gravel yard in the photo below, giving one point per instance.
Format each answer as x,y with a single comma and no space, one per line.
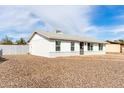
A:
83,71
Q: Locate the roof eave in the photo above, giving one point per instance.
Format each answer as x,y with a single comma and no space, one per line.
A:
45,36
77,40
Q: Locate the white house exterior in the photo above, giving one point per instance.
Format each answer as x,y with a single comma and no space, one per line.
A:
51,44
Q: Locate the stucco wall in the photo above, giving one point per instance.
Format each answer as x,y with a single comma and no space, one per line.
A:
122,49
95,49
43,47
113,48
65,49
39,46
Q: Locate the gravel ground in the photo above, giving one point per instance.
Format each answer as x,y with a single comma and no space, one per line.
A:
84,71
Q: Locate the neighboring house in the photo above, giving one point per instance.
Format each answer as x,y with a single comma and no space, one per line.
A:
54,44
114,47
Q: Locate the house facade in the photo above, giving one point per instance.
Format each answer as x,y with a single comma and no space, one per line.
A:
113,47
51,44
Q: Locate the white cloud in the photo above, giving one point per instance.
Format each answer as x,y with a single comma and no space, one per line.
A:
15,17
117,29
71,19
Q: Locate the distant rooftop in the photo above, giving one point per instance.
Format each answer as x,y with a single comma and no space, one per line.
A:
115,42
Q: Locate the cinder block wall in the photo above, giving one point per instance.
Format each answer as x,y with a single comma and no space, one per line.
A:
14,49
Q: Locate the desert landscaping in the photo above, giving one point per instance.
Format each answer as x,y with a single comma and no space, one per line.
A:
82,71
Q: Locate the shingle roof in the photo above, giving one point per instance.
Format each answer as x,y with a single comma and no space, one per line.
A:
56,36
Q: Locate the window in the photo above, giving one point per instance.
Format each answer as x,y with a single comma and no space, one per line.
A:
72,46
58,43
100,47
90,47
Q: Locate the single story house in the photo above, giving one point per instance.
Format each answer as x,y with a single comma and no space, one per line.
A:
54,44
114,47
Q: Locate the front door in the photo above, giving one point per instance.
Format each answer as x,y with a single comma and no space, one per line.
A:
81,48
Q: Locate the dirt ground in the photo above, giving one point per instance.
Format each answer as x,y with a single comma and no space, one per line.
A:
85,71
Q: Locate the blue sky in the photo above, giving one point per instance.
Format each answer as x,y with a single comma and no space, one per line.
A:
101,22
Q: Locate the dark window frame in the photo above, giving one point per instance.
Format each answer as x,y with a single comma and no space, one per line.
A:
58,45
90,46
100,47
72,46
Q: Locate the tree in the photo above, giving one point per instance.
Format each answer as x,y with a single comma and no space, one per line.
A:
7,41
21,41
120,40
